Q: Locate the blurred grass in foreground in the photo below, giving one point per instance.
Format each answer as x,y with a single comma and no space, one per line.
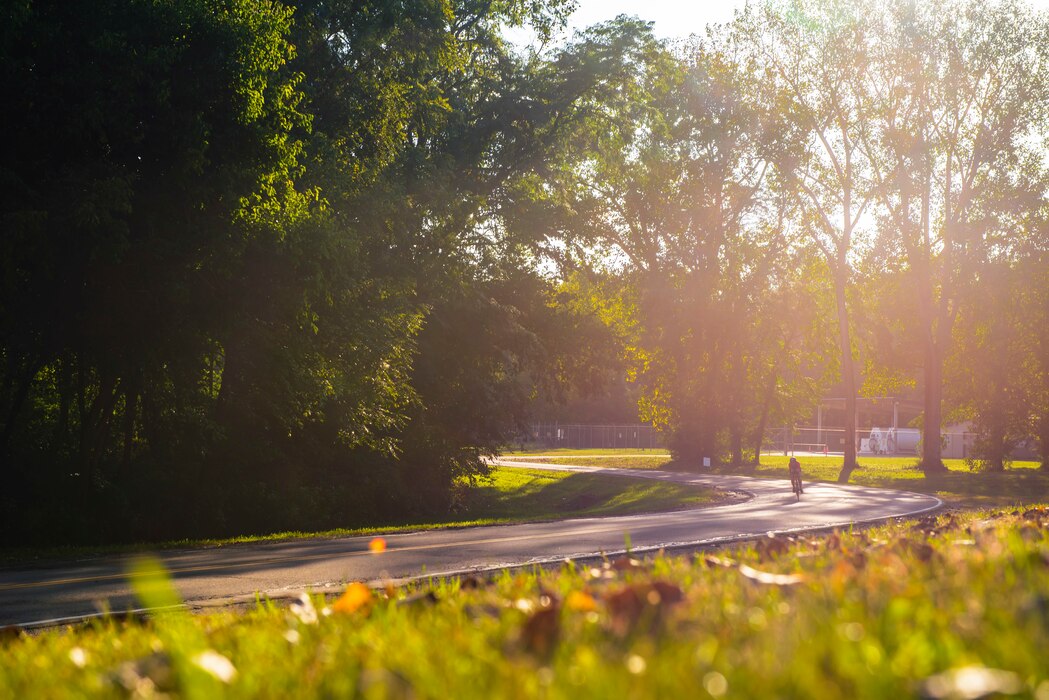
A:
955,605
1023,483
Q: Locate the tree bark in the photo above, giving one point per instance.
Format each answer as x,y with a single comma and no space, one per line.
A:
759,433
935,334
736,437
848,377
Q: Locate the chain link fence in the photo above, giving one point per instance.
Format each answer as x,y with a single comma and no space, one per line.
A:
638,436
900,442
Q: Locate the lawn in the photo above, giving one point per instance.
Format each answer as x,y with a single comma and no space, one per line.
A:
510,495
1021,484
951,606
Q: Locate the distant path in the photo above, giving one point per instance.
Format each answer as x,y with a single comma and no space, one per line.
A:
218,576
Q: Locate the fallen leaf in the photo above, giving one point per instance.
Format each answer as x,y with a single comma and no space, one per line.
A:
471,583
304,610
216,665
78,656
971,682
624,607
418,600
542,631
146,676
578,601
668,593
646,602
772,547
770,579
626,564
356,596
920,550
377,545
711,561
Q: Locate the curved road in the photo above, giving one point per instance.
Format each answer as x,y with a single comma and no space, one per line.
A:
220,576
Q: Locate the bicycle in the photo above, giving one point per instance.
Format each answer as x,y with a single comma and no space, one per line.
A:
795,484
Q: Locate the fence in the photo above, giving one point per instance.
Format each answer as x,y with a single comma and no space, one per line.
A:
638,436
900,442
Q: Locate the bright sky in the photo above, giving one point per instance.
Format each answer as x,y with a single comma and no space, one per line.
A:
674,18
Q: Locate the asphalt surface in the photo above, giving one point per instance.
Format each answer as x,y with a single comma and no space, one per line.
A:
32,596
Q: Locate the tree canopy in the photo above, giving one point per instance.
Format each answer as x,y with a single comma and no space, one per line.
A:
272,265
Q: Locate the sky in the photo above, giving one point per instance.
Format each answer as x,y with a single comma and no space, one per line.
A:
673,18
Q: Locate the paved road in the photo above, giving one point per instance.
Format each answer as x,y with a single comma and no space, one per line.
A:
218,576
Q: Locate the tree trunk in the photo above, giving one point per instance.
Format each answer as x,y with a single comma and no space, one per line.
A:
736,437
848,377
935,335
932,422
130,409
1043,439
759,433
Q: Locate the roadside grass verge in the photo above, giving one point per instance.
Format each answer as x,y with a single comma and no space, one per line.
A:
598,451
511,495
1023,483
947,606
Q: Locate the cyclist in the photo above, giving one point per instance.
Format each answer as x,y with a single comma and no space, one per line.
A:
795,476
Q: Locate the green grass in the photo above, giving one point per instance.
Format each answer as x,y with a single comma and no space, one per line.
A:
510,495
534,494
637,461
893,611
571,451
1021,484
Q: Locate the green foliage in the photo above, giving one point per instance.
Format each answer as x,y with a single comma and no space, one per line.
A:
253,261
279,265
668,177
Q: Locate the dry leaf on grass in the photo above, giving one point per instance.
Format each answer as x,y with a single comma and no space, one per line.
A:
711,561
216,665
355,597
626,564
647,602
580,601
971,682
542,631
770,579
772,547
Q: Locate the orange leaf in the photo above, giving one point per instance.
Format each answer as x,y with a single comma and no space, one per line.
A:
377,545
580,602
353,598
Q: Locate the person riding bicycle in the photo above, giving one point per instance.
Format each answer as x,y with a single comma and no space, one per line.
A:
795,475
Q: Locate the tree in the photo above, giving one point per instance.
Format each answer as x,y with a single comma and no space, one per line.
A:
815,51
954,92
669,179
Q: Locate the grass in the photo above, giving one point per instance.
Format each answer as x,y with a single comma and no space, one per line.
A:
1023,483
510,495
572,451
955,605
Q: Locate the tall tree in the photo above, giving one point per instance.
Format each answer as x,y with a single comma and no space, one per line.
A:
815,51
954,94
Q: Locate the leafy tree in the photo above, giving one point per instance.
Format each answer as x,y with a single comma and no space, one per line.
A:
668,179
954,92
816,52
